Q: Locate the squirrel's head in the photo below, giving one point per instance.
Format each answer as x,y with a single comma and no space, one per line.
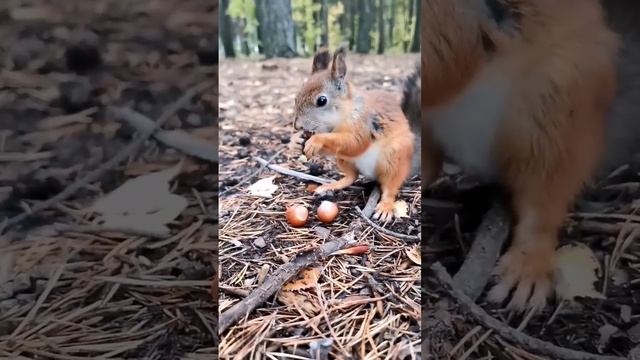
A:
318,104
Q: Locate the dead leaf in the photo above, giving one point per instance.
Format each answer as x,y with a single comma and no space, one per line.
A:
306,279
263,188
298,300
634,333
414,254
577,270
400,209
143,203
606,332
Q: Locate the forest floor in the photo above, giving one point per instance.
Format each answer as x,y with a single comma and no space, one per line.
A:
605,219
365,306
71,288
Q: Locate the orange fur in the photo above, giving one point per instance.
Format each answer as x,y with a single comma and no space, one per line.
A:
368,120
560,58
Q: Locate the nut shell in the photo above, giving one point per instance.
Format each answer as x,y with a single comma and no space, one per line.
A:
327,211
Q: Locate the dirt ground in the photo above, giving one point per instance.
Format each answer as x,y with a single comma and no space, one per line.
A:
68,289
605,218
368,304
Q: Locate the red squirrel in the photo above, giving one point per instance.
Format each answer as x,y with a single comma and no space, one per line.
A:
366,131
520,92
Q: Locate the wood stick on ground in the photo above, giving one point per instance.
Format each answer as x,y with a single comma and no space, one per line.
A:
134,146
290,172
530,343
370,207
485,250
177,139
274,282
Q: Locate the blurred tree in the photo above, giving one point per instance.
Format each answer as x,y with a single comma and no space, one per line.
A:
336,29
226,30
407,40
275,28
415,45
380,26
365,23
304,17
300,26
244,12
324,21
392,21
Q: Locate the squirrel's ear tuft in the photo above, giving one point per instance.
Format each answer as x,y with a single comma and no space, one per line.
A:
339,66
321,60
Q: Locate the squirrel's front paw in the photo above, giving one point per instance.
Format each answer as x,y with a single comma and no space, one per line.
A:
529,272
312,147
384,211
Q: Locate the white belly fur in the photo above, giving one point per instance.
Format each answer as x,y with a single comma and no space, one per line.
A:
368,161
466,128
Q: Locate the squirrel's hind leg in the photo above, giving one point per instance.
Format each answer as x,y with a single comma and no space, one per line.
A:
394,166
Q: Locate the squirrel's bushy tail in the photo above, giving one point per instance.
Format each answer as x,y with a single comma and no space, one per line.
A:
412,108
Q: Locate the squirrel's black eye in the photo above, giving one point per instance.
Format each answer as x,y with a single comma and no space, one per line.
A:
321,101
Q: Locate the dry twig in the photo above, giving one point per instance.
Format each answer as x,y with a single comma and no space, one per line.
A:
491,235
290,172
177,139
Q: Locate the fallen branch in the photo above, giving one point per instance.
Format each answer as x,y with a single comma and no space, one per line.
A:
177,139
530,343
290,172
485,250
370,206
95,174
274,282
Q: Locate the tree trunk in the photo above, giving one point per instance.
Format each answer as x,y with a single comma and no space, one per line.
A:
405,43
226,30
415,46
324,18
381,33
275,28
392,21
343,21
366,18
352,23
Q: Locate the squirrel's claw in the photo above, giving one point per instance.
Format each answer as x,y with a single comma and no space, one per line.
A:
384,212
531,274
